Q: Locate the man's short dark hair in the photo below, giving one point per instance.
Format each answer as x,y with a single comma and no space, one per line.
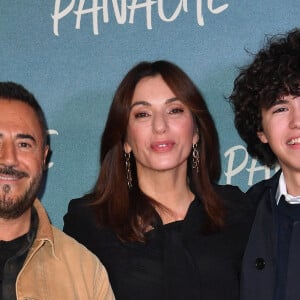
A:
13,91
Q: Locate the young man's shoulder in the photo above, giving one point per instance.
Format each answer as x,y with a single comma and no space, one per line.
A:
256,191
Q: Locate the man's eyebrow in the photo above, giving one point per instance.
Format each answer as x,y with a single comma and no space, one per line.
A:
145,103
26,136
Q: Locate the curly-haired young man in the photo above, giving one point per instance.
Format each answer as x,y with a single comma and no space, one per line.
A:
266,103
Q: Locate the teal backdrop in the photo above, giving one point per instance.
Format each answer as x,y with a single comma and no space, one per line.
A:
72,55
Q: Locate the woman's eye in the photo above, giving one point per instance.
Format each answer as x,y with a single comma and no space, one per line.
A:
176,110
141,115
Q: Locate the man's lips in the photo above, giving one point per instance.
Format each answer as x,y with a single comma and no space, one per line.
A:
8,177
9,173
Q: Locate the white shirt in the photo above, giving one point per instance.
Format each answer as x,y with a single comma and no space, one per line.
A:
281,190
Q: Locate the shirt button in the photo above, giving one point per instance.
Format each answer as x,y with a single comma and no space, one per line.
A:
260,263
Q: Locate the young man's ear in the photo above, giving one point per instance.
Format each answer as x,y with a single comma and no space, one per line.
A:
261,135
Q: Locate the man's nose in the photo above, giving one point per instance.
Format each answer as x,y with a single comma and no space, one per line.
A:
8,154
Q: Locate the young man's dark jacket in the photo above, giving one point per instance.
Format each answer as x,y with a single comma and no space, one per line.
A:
260,260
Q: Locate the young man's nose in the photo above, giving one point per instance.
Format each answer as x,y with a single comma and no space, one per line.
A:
295,118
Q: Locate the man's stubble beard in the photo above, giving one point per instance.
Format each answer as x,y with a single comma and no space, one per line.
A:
14,207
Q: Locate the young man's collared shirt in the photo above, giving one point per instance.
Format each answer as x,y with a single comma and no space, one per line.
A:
281,191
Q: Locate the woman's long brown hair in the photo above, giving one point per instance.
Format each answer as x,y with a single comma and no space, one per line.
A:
128,212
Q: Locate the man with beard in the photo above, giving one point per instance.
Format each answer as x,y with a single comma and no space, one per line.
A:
37,261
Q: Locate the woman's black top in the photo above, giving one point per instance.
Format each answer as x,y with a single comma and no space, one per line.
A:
177,261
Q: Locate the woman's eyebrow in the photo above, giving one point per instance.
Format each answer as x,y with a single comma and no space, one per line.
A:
145,103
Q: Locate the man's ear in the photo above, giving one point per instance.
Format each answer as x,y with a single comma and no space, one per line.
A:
261,135
45,156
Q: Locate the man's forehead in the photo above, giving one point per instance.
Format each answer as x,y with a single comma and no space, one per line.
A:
17,107
18,115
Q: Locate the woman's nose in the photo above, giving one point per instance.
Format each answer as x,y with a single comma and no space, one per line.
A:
160,123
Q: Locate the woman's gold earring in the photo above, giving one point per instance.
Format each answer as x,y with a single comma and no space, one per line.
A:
128,169
195,163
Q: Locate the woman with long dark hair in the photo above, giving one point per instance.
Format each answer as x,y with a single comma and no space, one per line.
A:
156,218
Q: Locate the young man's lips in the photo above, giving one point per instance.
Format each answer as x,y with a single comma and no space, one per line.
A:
294,141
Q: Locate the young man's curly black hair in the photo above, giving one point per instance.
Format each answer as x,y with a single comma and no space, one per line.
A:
273,74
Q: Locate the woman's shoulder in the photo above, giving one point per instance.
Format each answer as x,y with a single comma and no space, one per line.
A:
237,204
79,203
80,222
231,194
80,208
80,217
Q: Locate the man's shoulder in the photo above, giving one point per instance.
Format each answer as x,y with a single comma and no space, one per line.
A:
75,259
72,253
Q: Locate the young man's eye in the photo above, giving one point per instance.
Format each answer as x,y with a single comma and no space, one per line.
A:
279,110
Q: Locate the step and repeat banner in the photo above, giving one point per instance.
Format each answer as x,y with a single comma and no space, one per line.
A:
72,54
